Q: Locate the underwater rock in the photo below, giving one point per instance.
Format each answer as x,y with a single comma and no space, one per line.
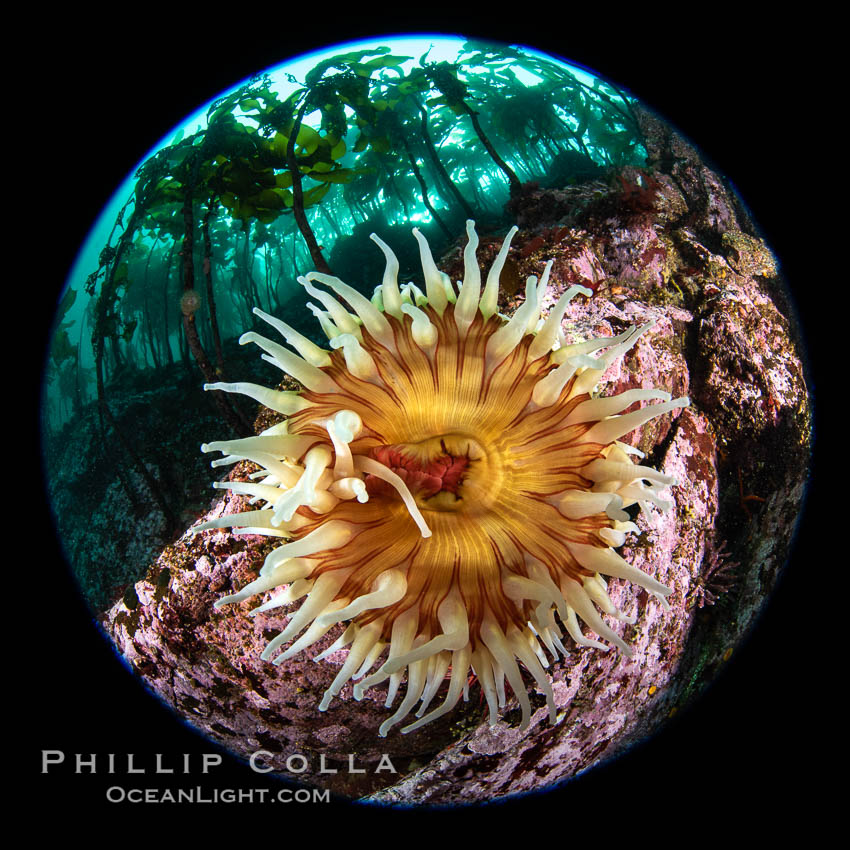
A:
605,702
681,251
720,337
207,665
109,525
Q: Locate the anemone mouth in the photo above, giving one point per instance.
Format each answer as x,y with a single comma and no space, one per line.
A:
448,485
443,473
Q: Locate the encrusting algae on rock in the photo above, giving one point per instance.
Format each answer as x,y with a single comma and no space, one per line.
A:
447,481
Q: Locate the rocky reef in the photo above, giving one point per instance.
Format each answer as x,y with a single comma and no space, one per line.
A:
669,243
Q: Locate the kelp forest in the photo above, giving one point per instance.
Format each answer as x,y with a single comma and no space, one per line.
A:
279,180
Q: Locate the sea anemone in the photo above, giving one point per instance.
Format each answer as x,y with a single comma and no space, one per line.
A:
447,481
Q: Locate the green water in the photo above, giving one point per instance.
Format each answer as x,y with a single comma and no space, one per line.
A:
285,172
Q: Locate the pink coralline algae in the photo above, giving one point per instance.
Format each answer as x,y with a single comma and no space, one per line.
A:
683,258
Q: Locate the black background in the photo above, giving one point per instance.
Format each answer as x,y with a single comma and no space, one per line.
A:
752,750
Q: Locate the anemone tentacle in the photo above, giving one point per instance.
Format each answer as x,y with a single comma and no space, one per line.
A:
449,484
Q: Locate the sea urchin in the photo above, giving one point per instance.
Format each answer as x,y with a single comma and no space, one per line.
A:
446,481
